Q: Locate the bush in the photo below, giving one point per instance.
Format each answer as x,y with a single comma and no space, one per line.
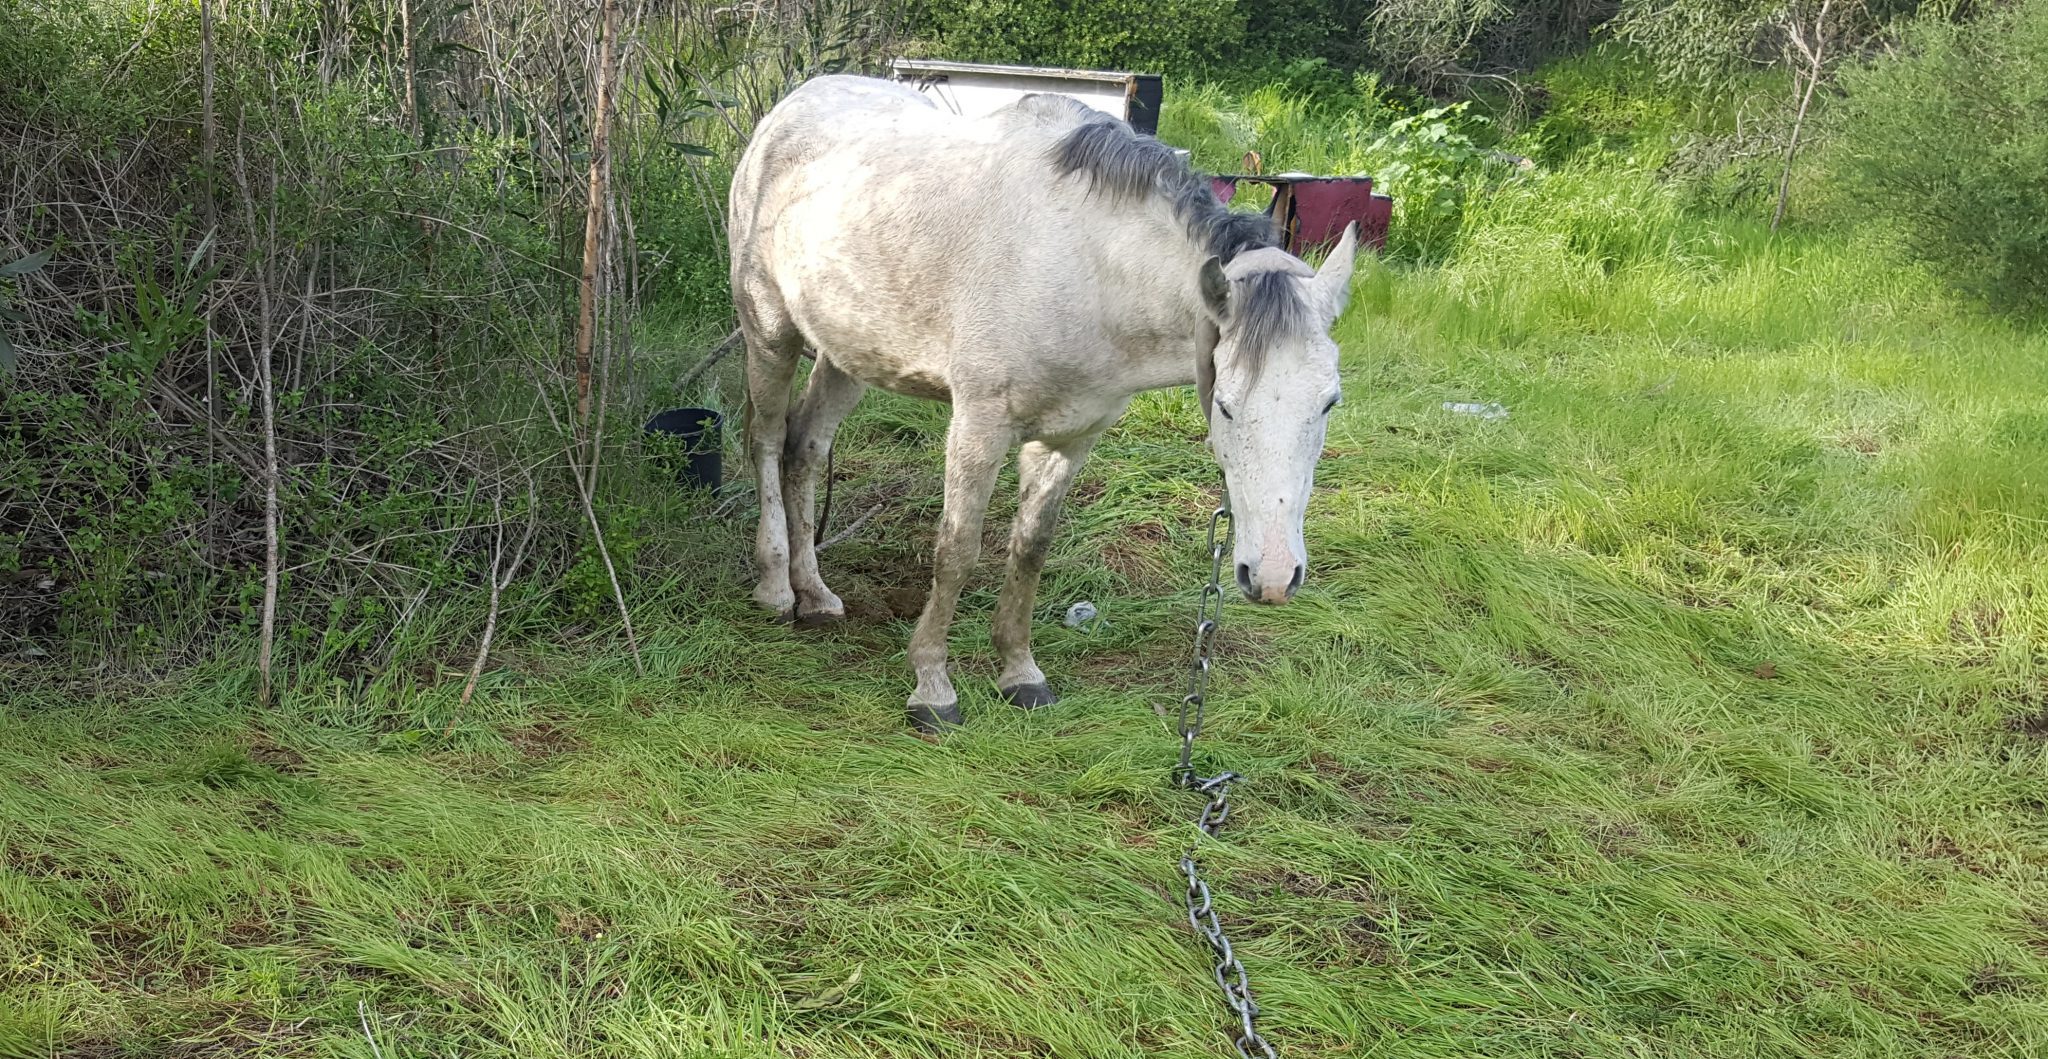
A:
1432,44
1152,36
1946,145
1599,247
391,273
1606,101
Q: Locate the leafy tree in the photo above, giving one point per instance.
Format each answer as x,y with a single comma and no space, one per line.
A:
1946,144
1157,36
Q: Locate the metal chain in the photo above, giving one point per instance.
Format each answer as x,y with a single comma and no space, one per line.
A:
1230,976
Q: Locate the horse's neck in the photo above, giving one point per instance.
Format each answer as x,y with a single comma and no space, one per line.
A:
1152,300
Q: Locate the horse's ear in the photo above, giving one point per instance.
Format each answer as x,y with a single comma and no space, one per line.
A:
1215,289
1206,338
1333,280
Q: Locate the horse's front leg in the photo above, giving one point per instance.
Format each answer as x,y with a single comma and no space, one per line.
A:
975,446
1044,473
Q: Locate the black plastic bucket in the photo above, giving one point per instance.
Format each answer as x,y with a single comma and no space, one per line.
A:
702,442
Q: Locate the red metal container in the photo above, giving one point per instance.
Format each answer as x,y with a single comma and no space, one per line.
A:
1312,211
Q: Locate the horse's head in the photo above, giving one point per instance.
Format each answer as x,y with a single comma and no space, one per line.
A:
1268,386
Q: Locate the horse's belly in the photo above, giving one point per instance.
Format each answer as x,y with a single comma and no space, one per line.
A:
896,376
877,312
881,357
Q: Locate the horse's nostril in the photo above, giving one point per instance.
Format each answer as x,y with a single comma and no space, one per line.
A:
1294,584
1244,578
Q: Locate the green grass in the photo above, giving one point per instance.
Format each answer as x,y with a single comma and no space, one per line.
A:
1697,709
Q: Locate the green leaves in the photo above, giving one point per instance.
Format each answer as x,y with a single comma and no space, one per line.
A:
163,316
677,104
8,315
1433,169
26,265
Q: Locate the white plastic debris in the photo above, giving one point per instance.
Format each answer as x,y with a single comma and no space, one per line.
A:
1080,614
1488,410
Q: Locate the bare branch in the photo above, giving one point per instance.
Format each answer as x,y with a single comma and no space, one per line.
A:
726,345
498,586
272,546
851,527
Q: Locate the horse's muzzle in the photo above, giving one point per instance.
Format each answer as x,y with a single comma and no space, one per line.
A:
1269,592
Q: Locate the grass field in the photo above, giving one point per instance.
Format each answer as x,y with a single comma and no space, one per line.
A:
1696,709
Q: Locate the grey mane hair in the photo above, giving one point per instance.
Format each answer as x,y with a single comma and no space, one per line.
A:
1266,304
1129,166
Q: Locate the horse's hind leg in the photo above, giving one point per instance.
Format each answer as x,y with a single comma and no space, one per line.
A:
828,397
1044,473
773,349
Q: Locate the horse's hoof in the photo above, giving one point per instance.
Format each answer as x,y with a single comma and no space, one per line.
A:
818,619
935,720
782,603
1030,696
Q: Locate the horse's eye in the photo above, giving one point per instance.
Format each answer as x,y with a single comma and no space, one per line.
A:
1225,409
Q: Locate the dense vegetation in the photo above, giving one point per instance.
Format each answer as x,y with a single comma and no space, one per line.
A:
1695,709
289,303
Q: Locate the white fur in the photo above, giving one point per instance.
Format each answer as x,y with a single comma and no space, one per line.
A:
947,258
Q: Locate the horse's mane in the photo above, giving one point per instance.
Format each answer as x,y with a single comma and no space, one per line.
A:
1129,166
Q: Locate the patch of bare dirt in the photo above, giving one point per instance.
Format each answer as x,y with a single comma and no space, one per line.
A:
1138,556
38,863
250,932
1616,839
1980,623
988,1040
905,602
1993,979
276,756
543,739
1357,914
2032,721
1940,846
580,924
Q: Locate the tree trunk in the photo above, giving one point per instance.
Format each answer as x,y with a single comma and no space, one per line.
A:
273,547
411,102
593,223
206,120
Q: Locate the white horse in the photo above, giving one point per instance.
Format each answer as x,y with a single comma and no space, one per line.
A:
1036,268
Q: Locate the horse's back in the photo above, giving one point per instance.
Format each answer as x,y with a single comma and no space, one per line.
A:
838,95
834,122
875,223
932,254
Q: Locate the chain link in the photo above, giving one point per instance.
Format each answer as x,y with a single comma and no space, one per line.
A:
1230,976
